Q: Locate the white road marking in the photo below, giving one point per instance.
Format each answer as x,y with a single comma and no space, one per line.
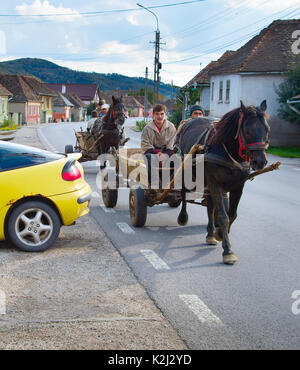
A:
45,141
296,168
154,259
125,228
203,313
107,210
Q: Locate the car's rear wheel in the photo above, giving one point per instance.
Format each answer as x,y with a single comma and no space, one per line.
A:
33,226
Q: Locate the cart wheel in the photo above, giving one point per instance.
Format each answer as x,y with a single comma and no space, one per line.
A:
174,204
68,149
110,197
137,207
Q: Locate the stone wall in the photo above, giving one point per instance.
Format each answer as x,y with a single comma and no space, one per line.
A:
283,133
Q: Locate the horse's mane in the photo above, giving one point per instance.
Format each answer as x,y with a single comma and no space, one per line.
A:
226,128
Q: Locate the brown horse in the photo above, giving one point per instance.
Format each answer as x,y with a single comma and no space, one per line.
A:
108,127
234,145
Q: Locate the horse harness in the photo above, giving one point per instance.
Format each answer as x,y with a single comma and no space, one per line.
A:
244,147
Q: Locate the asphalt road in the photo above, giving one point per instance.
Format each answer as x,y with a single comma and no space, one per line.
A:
251,305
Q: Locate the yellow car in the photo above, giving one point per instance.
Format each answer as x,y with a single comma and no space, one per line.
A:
39,192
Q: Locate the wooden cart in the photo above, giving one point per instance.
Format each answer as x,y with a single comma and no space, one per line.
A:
85,144
140,197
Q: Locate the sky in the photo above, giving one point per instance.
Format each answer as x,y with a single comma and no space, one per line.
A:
116,36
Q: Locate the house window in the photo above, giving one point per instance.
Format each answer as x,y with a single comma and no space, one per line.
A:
48,102
227,96
221,91
30,110
212,91
34,111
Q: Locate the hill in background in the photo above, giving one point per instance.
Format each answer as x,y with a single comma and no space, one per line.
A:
52,73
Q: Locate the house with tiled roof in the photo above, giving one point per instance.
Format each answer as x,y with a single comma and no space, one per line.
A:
79,109
254,72
4,96
88,93
45,95
61,108
135,108
25,105
202,81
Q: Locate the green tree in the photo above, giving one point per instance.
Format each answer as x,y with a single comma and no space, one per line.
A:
286,90
90,108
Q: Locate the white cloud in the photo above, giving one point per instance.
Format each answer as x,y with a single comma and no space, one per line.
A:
115,47
44,7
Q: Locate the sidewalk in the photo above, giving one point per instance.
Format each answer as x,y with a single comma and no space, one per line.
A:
79,294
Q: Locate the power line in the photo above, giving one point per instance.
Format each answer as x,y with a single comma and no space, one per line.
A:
242,28
99,12
210,20
220,47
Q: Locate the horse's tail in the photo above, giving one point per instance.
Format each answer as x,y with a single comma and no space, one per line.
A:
183,217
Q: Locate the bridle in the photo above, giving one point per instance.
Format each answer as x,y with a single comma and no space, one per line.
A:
244,147
118,114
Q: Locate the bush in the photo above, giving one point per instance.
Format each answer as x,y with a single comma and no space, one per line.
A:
140,125
286,90
8,124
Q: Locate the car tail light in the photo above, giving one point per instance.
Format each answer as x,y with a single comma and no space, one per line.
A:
71,172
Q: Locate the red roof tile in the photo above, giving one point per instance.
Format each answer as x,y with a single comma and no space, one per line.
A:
21,91
270,51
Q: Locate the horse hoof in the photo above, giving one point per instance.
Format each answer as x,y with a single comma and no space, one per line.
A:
211,240
230,259
182,220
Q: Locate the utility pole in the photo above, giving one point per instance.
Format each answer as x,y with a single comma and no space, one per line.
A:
146,95
157,64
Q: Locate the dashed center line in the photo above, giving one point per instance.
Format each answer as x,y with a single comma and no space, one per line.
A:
203,313
155,260
125,228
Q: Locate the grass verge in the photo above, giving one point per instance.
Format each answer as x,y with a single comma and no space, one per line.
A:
287,152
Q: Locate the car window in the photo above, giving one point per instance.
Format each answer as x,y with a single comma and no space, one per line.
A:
13,156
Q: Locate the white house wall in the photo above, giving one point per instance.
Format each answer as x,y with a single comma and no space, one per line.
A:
204,98
219,108
256,88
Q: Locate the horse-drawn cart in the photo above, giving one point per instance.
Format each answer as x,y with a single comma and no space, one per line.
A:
140,195
85,144
125,173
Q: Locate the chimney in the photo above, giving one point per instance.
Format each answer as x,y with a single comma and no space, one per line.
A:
63,89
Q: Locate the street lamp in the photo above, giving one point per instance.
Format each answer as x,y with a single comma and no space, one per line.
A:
157,28
157,64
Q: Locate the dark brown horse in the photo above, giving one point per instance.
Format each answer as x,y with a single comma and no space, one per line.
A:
234,145
110,126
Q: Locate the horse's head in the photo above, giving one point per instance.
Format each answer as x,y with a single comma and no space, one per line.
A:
252,133
118,110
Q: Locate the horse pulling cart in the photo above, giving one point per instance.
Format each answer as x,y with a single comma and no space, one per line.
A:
86,144
140,196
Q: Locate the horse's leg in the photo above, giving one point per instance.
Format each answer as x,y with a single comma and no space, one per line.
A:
234,200
210,239
222,220
218,233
